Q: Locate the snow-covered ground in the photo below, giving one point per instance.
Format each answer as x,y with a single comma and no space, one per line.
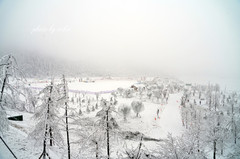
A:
148,124
97,86
169,120
17,138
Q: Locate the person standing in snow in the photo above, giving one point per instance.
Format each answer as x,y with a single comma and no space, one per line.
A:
158,113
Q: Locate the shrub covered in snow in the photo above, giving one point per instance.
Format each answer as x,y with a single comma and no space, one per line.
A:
128,93
87,109
137,107
124,110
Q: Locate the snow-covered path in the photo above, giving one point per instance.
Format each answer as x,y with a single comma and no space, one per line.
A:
149,124
170,119
169,122
171,116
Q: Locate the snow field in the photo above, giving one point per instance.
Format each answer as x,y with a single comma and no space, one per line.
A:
147,123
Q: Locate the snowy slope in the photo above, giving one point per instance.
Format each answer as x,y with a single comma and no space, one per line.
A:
170,120
150,125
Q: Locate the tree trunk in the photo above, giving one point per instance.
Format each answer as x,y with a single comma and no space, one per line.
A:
186,120
45,142
235,134
183,122
66,113
108,147
221,147
199,129
234,125
210,103
51,136
139,149
214,149
5,80
44,154
3,86
8,147
96,150
68,142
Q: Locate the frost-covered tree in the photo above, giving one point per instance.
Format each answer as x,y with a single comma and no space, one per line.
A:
11,81
209,97
214,133
65,100
87,109
72,100
234,119
137,153
124,110
31,99
235,151
157,94
98,135
141,91
184,146
114,94
96,106
137,107
47,128
93,108
97,96
11,85
149,94
91,138
80,112
127,93
120,91
215,122
169,148
108,123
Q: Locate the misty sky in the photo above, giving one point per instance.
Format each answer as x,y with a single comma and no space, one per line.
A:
182,38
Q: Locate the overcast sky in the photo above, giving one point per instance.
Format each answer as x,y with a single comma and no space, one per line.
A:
182,38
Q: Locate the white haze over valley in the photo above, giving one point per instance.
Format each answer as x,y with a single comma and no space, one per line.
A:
189,40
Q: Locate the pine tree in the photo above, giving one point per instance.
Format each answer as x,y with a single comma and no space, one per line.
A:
80,111
96,107
107,122
46,114
65,101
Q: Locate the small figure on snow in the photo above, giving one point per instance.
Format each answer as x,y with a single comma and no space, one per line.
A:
158,113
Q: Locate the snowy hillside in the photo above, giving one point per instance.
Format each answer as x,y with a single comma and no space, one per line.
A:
169,120
115,117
